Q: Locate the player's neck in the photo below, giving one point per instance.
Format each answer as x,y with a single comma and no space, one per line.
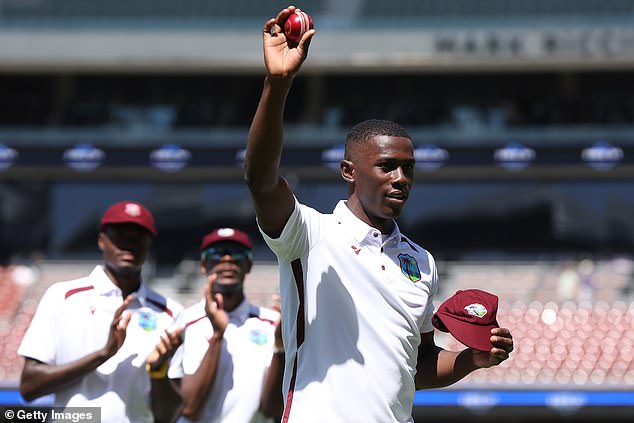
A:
234,302
383,225
127,281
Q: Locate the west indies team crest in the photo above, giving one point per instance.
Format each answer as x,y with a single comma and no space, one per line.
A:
147,320
258,337
476,309
409,267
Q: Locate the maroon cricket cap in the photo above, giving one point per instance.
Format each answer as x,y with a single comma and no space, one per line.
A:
129,212
226,234
469,315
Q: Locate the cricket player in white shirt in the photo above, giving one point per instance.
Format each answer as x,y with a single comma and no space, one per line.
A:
357,294
230,364
103,340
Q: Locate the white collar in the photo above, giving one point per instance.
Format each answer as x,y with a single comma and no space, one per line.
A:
360,230
103,285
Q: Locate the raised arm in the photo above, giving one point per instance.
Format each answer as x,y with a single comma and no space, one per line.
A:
39,379
272,196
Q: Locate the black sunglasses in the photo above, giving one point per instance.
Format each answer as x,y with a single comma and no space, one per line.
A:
236,253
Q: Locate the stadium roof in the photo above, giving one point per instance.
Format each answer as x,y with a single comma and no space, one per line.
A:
353,36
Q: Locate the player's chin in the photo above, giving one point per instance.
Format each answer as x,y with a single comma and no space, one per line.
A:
128,268
394,208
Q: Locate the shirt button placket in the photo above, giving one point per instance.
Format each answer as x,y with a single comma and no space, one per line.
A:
376,234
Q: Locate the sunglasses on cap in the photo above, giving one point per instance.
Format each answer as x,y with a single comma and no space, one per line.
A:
236,253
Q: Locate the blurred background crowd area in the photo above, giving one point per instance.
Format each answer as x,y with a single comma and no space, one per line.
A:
573,320
552,234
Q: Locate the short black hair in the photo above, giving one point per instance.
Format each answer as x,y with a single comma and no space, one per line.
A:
363,131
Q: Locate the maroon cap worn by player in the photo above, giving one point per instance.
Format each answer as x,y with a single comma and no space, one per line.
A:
469,315
129,212
226,234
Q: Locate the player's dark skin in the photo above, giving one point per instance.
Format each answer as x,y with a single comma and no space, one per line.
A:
379,177
125,248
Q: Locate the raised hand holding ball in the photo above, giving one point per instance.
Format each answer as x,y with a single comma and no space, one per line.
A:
296,26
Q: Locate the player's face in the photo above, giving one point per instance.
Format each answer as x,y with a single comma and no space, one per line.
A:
383,177
230,260
125,248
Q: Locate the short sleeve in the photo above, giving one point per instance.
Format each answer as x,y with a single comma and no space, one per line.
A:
301,229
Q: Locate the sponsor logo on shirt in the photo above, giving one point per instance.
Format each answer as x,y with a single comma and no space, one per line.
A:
409,267
147,321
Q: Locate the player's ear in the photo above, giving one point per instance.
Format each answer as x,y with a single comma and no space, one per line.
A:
347,170
101,241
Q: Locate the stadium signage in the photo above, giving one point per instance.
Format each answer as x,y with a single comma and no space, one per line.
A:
478,401
430,157
547,45
84,157
8,156
170,158
602,155
514,156
332,157
240,154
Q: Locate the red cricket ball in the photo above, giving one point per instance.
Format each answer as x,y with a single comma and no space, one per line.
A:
296,25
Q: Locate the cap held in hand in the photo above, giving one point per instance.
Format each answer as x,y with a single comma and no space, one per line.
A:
469,315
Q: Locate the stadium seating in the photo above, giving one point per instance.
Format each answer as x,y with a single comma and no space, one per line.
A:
11,293
15,320
582,344
15,315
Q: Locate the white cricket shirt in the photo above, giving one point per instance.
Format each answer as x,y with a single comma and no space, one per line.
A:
73,319
245,357
353,309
